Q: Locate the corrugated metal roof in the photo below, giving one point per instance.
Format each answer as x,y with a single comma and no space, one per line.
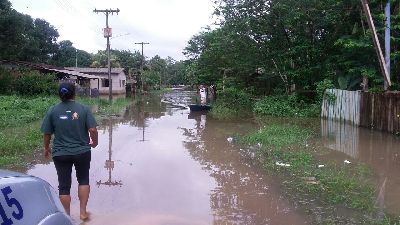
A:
96,70
41,66
75,73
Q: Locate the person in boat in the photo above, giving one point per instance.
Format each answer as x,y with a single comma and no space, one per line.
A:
75,133
203,94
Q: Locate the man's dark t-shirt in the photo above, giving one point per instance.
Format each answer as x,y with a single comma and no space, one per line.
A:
69,122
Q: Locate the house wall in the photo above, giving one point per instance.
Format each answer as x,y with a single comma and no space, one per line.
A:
118,84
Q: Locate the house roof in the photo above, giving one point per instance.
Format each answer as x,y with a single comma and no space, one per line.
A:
49,68
75,73
96,70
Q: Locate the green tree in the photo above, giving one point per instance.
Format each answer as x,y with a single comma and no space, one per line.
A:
280,43
155,74
100,60
175,73
24,38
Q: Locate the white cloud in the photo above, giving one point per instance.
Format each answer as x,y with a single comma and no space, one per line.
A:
166,24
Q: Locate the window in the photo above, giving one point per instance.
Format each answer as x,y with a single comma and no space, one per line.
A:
123,83
105,83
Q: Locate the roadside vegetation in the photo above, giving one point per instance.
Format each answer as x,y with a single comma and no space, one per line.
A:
23,104
232,103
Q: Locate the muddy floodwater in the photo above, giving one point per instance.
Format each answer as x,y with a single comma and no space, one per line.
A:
160,164
378,150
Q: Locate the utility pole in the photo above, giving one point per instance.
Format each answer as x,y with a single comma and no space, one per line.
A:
387,42
377,45
141,63
108,34
76,58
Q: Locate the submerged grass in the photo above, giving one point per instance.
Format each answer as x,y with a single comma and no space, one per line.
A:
284,149
104,108
20,120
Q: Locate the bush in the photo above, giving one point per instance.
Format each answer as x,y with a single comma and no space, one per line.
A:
6,82
32,83
322,86
234,98
285,106
27,83
232,103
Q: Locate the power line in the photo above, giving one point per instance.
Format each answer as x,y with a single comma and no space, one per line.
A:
73,11
62,6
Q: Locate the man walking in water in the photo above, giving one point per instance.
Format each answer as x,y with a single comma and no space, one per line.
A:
71,123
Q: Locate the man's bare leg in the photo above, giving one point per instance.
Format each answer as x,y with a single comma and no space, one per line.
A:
83,194
66,202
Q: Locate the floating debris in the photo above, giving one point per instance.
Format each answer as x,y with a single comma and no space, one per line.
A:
347,161
310,180
282,164
321,166
229,139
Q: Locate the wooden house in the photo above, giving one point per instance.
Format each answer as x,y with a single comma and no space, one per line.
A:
118,79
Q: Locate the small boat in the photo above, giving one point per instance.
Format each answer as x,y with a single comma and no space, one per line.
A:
196,107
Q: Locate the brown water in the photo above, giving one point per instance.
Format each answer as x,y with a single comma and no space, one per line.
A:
380,151
160,164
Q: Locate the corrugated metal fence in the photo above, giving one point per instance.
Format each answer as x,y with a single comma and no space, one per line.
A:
341,105
376,111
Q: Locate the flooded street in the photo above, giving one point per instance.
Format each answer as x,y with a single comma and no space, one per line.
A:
379,150
160,164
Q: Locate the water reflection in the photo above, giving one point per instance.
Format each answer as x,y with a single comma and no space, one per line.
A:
109,163
186,172
340,137
243,193
377,149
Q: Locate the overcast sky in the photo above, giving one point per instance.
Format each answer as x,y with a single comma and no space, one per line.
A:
166,24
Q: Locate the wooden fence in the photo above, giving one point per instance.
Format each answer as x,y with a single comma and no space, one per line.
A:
375,111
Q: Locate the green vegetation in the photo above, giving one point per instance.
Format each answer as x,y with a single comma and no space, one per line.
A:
284,149
232,103
286,106
27,83
104,108
19,129
274,46
20,120
390,220
18,111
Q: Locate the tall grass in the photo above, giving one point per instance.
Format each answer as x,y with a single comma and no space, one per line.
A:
20,120
104,107
19,126
17,111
